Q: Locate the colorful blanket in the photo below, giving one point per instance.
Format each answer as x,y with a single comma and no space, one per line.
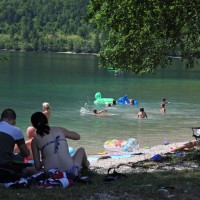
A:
47,179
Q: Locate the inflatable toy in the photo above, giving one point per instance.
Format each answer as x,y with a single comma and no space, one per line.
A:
100,100
71,151
166,142
122,145
126,100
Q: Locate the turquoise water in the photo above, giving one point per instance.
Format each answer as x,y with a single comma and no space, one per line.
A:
67,82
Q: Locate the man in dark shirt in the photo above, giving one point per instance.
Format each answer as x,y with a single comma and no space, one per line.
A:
9,136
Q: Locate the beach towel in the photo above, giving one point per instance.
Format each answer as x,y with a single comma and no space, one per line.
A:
47,179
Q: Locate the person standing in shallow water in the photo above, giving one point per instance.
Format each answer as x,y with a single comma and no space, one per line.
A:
163,104
142,113
46,109
163,101
50,147
163,109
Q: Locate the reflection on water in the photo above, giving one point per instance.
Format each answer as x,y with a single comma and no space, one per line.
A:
67,82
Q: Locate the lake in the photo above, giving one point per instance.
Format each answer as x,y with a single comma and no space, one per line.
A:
69,81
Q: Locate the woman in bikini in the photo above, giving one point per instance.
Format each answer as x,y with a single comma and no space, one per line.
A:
50,148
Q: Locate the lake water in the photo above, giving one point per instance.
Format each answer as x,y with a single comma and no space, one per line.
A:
67,82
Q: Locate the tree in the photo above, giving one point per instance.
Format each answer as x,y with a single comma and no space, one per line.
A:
143,34
97,44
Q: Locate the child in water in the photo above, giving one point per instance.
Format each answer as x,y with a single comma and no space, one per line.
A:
163,110
142,113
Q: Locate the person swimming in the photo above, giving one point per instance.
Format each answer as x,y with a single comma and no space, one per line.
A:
100,113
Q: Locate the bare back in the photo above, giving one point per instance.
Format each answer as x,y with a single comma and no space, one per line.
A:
54,150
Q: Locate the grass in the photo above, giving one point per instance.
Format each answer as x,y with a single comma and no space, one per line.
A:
179,185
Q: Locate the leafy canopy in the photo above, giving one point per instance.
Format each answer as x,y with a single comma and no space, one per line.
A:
142,35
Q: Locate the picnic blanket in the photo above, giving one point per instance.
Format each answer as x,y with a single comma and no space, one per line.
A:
47,179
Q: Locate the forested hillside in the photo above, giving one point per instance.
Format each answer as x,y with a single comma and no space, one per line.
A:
47,25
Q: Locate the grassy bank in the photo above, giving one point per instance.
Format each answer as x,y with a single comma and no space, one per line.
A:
171,183
176,184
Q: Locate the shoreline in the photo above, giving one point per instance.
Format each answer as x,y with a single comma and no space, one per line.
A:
104,162
60,52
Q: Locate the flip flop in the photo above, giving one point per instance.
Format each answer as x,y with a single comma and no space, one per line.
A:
84,179
113,177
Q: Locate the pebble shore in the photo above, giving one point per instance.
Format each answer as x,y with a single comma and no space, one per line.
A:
125,165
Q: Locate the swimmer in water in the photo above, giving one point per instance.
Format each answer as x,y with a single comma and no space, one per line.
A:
142,113
100,112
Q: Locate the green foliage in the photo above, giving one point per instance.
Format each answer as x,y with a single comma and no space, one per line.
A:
143,35
45,25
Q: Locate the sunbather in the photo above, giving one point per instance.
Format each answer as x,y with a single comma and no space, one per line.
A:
187,146
190,145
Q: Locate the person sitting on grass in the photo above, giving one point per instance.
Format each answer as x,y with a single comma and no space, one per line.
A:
50,147
9,136
30,132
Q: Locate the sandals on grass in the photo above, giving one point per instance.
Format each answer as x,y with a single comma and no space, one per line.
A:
113,177
84,179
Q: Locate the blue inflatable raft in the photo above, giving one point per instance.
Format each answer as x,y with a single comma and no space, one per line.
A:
126,100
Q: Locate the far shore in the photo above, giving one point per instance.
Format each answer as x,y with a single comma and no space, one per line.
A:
62,52
71,52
